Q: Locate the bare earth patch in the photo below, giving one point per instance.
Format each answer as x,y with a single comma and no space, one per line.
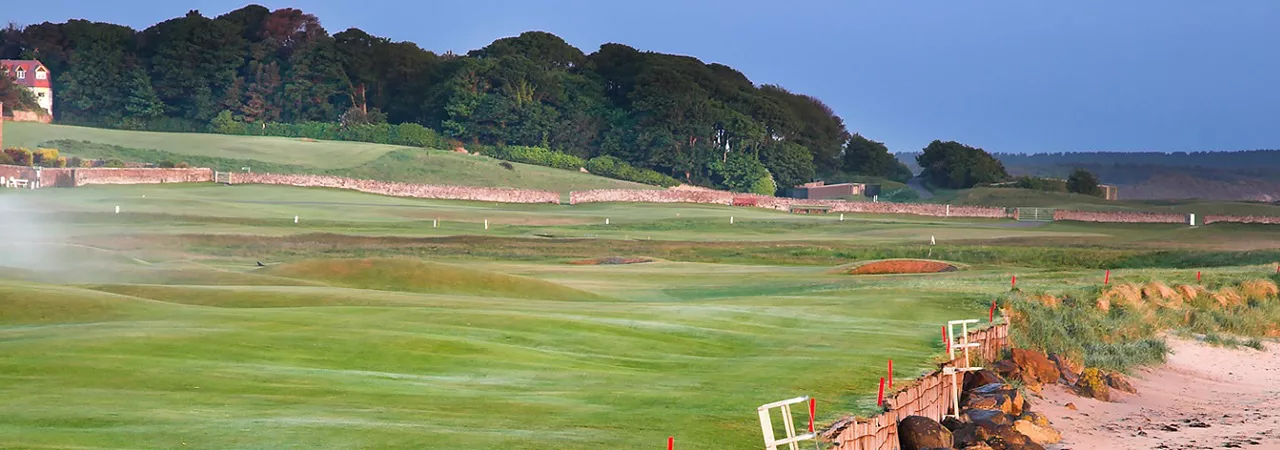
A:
897,266
613,260
1204,397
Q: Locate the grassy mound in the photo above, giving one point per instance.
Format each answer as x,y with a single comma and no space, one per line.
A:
22,304
900,266
407,275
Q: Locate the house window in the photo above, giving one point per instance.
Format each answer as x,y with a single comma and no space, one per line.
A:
41,74
22,74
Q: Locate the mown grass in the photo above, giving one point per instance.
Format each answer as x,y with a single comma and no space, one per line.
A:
1027,198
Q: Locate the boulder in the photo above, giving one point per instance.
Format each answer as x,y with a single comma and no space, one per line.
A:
982,417
1093,384
1001,397
919,433
965,435
1036,369
1006,369
979,378
1068,370
1003,437
978,446
1043,435
1035,417
1117,380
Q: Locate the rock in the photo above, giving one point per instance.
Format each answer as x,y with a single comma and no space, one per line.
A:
982,417
979,378
1006,369
1036,418
1068,370
1005,437
919,433
978,446
1072,406
997,396
1035,368
965,436
1042,435
975,402
1093,384
1117,380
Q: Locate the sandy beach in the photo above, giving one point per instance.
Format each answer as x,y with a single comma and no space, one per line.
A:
1204,398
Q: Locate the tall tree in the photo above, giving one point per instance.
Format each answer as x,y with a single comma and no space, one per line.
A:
1084,182
954,165
867,157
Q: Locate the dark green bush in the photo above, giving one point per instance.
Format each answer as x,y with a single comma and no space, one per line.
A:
537,156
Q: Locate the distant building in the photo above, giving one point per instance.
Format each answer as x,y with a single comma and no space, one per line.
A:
1109,192
819,190
32,75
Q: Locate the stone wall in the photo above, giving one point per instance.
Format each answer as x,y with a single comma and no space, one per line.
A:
1119,217
72,177
781,203
928,396
1268,220
482,194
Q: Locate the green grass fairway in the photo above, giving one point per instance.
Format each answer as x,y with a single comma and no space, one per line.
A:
1027,198
290,155
369,327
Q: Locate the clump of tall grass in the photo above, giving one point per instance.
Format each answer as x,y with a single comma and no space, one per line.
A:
1115,339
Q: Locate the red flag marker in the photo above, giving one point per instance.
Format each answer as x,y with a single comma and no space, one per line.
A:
991,315
1107,279
1197,277
812,407
944,339
880,396
671,442
1015,282
890,374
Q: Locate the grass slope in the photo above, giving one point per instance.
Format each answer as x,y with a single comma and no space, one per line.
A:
295,156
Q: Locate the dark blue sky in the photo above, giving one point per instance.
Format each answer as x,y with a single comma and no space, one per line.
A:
1009,75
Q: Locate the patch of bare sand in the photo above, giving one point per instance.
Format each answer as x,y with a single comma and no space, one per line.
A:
1204,398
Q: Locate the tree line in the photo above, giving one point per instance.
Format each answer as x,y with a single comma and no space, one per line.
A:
254,69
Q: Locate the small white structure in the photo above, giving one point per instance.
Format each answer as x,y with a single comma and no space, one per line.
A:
958,342
792,441
1191,219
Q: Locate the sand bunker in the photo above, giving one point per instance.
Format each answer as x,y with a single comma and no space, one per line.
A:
613,260
895,266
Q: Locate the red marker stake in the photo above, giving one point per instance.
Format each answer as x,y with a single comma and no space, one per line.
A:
991,315
1107,279
812,407
1197,277
944,339
671,442
1015,282
890,374
880,396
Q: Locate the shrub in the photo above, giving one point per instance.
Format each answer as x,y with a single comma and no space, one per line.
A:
1084,182
114,163
764,186
46,157
608,166
507,165
537,156
414,135
75,162
902,195
182,165
5,159
20,156
166,164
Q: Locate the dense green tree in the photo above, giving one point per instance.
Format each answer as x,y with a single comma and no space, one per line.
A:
953,165
867,157
194,59
1084,182
790,163
16,97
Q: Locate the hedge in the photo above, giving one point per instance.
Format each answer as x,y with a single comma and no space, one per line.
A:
608,166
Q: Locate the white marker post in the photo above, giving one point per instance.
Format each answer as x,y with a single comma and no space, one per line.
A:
730,220
435,223
842,217
117,209
875,198
606,220
295,219
486,224
948,210
933,240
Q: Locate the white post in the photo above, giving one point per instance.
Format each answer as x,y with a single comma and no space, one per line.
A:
295,219
486,224
875,198
435,223
842,217
948,210
933,240
117,209
606,220
1192,219
730,220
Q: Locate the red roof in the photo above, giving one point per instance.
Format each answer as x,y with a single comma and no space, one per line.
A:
29,69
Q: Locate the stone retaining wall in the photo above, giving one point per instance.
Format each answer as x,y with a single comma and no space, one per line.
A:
1268,220
782,204
72,177
482,194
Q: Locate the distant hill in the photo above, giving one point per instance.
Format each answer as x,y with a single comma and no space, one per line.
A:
1252,175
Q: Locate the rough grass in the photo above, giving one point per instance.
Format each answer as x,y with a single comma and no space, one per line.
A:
25,304
406,275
